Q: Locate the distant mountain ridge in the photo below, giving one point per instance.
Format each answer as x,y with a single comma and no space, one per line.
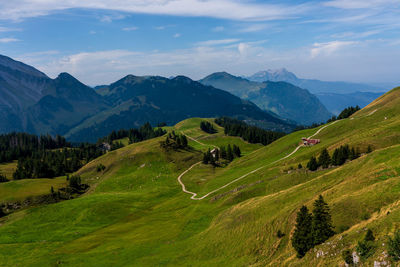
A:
313,85
282,98
138,99
35,103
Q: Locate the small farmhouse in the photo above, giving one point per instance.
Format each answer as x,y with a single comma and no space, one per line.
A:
310,142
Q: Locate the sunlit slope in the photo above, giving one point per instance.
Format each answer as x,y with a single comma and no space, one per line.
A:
135,213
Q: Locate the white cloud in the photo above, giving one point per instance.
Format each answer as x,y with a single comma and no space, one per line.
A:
329,47
8,40
360,4
110,18
177,35
92,32
7,29
225,9
218,29
128,29
254,28
218,42
369,61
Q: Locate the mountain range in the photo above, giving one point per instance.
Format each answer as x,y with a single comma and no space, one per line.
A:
286,100
313,85
35,103
335,96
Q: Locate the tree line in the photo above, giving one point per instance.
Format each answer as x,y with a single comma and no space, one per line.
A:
339,157
347,112
53,163
313,228
135,135
16,145
207,127
251,134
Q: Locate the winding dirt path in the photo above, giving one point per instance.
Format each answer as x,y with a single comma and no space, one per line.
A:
194,195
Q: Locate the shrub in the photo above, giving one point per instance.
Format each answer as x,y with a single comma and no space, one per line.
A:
365,216
75,182
300,166
394,246
100,167
347,256
280,234
366,247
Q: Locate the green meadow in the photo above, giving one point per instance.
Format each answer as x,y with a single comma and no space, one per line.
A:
135,213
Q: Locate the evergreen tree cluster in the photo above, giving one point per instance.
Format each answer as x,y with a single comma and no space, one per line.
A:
339,157
145,132
229,153
347,112
209,158
312,228
175,141
207,127
251,134
16,145
53,163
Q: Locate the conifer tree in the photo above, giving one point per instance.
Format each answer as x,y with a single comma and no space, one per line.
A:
324,159
322,222
184,141
229,153
312,165
223,152
302,240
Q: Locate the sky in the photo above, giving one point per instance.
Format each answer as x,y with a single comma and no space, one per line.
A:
101,41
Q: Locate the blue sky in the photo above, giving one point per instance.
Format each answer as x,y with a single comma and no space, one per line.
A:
100,41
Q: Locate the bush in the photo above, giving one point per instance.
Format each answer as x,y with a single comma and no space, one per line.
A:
75,182
365,216
347,257
100,167
366,247
394,246
280,234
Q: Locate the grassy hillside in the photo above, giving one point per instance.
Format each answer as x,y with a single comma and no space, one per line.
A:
135,213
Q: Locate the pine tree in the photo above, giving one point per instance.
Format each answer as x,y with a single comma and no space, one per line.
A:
184,141
229,153
302,240
324,159
223,152
322,222
206,157
216,154
312,165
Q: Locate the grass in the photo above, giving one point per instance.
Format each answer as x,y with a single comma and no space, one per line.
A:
8,169
136,214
